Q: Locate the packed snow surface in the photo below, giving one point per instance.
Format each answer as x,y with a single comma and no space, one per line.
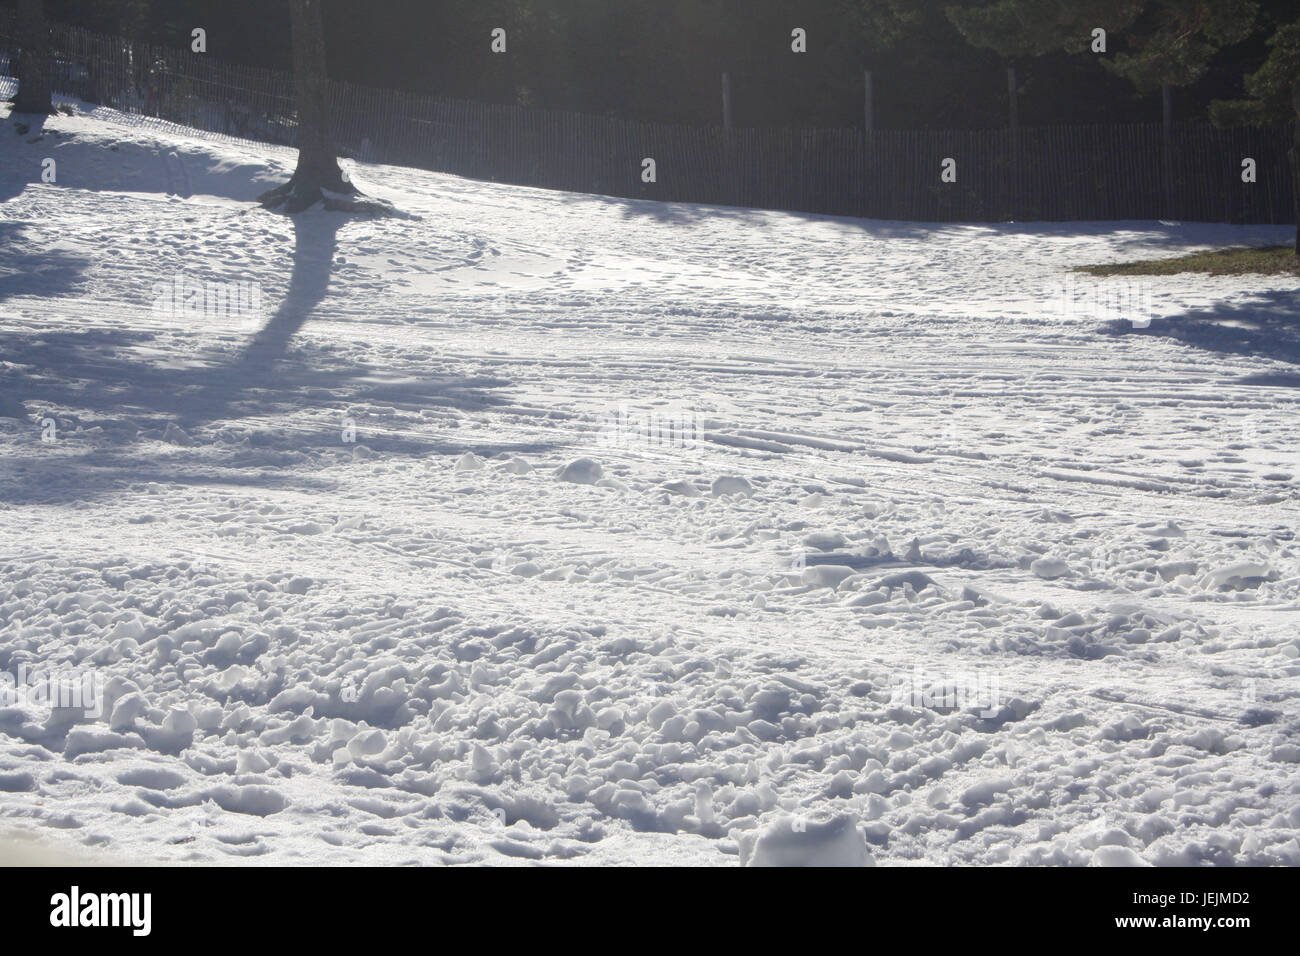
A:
558,528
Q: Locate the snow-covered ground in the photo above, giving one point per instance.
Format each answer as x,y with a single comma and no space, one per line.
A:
561,528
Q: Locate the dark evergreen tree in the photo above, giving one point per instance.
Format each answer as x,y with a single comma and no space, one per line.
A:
1268,88
1163,43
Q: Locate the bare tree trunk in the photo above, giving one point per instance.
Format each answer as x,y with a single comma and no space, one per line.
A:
1295,181
1295,163
318,165
34,60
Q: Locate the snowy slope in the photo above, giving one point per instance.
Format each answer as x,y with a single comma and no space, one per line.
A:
912,562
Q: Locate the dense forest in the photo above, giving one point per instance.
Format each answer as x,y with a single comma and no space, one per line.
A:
934,63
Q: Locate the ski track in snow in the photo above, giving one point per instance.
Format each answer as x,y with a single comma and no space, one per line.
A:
424,646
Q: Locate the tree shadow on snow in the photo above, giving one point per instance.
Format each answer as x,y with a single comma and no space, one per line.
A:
17,129
687,213
315,242
106,380
1121,235
1263,324
46,274
50,270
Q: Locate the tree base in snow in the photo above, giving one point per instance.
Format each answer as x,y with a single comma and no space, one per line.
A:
335,193
305,190
21,108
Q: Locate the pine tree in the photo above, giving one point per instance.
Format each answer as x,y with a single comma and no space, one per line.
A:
1164,43
1273,93
1173,41
1160,42
1021,28
1268,88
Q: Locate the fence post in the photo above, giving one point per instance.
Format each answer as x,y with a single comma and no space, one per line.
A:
867,91
1014,115
1295,163
1011,95
1167,132
732,190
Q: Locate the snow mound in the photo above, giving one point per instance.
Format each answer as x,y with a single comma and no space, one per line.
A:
731,485
1116,856
1239,576
791,841
1050,568
581,471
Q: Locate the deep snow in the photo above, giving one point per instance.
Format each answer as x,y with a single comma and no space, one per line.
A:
562,528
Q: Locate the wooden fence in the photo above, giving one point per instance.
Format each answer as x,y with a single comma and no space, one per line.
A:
1058,172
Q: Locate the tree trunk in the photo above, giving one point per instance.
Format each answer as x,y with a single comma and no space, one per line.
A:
318,165
1167,147
1295,163
33,60
1295,181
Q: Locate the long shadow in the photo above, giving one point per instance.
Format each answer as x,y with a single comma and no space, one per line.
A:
268,364
314,244
1121,234
255,367
133,164
95,369
686,213
49,270
20,127
1262,324
105,380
